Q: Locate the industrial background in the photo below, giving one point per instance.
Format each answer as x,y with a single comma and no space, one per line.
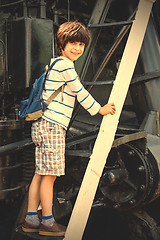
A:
127,201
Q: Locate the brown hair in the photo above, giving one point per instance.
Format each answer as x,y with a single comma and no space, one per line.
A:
72,31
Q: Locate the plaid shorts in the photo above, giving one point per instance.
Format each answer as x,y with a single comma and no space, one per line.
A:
49,140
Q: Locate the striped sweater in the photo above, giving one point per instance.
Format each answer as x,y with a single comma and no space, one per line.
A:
59,111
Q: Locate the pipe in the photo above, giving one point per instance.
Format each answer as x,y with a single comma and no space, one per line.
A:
15,146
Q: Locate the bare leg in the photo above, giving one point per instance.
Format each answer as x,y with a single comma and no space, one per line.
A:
46,194
34,193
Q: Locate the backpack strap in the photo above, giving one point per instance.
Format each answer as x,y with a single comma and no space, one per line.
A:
47,69
60,89
54,94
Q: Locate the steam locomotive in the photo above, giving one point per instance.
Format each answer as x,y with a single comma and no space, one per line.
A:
129,187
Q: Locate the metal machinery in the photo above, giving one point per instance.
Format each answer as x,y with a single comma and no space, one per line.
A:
129,188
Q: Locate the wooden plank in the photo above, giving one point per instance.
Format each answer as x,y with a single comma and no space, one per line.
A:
109,124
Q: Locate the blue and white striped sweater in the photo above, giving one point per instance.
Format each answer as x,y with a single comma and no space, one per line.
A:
61,112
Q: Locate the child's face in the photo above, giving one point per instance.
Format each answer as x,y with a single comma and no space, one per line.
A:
73,50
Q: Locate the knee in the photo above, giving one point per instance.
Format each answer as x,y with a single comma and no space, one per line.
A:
49,178
37,177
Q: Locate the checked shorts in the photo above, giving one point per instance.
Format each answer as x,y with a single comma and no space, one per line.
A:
49,140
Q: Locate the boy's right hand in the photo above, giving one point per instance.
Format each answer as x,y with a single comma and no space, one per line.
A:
108,109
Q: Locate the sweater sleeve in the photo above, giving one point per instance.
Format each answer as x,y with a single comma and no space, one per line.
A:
83,96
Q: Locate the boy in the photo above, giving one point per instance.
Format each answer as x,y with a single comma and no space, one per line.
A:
48,133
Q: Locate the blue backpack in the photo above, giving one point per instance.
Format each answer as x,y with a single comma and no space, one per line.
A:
33,108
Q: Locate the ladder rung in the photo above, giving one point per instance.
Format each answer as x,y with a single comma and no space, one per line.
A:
99,83
110,24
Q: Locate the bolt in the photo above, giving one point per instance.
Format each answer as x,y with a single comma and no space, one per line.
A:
116,206
141,169
132,202
142,188
131,153
111,177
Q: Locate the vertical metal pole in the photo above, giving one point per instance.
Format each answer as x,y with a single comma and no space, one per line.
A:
98,15
68,10
109,124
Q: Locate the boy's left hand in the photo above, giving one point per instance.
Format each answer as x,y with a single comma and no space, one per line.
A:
108,109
